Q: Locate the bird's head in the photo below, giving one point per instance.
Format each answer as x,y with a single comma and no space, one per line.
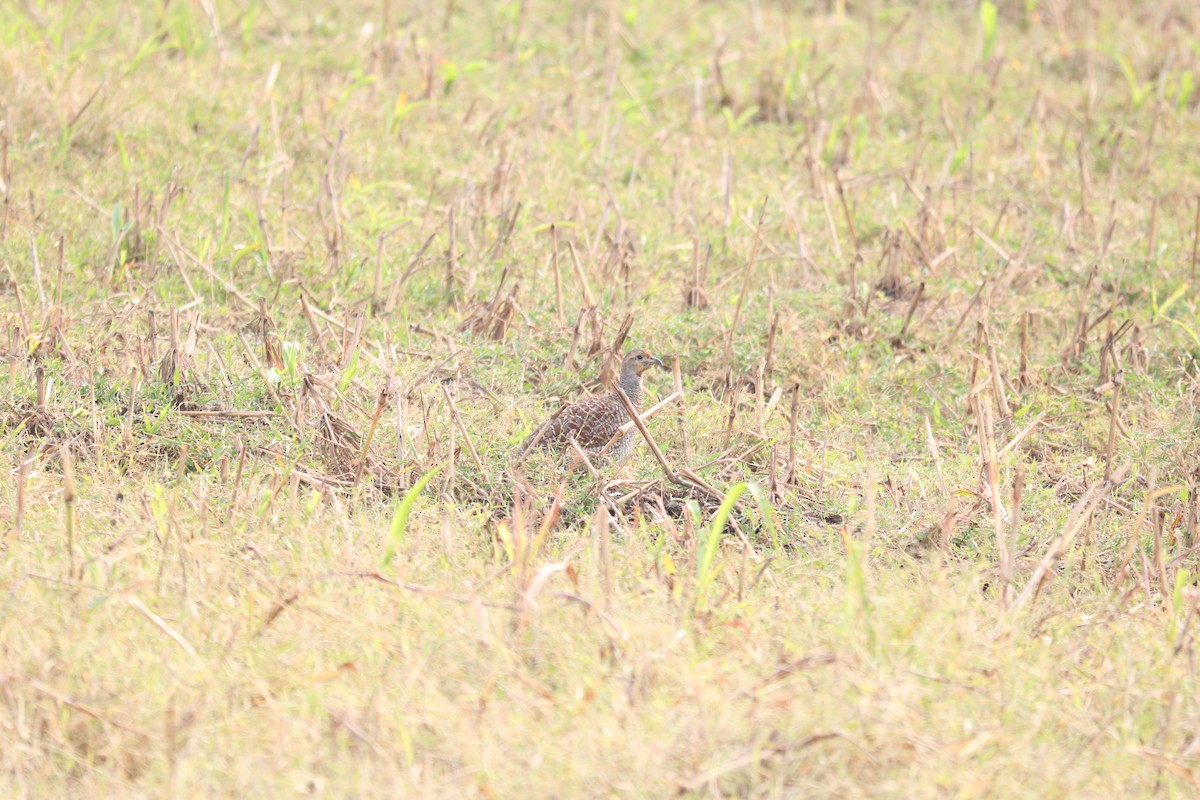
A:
639,361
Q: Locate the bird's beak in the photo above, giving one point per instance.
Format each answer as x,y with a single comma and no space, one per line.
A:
657,360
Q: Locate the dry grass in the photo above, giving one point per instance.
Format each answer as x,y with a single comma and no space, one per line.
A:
930,281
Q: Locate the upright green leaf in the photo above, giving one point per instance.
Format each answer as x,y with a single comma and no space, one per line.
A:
988,15
708,548
768,512
400,516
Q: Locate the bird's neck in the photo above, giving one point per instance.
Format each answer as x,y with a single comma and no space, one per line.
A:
631,382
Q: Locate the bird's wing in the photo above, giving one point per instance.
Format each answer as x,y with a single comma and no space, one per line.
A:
590,422
598,421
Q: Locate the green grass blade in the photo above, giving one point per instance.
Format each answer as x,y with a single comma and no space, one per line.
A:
400,516
988,17
708,549
1161,310
768,512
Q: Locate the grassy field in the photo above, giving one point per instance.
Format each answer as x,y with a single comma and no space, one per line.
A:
285,283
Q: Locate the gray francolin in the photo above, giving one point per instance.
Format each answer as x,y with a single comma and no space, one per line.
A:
593,421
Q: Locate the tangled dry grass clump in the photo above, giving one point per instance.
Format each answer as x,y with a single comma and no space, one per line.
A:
914,509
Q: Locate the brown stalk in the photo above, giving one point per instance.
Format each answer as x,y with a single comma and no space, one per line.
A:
518,531
176,350
869,503
451,256
1159,564
627,426
136,603
696,117
609,371
987,451
976,356
552,517
17,293
67,701
176,248
971,229
413,265
641,426
1080,512
177,259
769,358
999,217
791,479
912,307
953,208
328,180
727,182
451,460
22,478
5,175
68,468
127,432
677,377
604,545
41,390
318,334
152,335
1016,440
378,279
1084,181
1014,524
760,400
181,464
1195,237
558,291
37,275
837,180
283,209
588,302
380,402
576,333
1193,506
1148,152
335,323
932,312
1110,361
837,245
1078,343
581,458
1023,379
61,266
351,344
937,458
1118,382
773,475
998,383
508,222
1109,229
1131,540
253,359
958,326
733,397
1152,229
675,477
462,429
737,313
241,465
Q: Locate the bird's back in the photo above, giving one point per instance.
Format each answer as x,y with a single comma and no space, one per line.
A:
591,422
